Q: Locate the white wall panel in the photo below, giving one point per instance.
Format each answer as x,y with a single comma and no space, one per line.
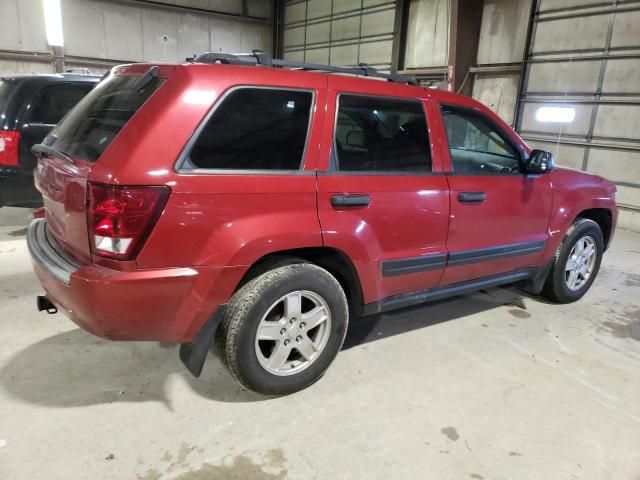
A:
622,166
376,53
83,28
427,34
10,66
618,121
193,35
160,36
316,33
503,31
563,34
580,76
498,92
555,4
622,75
225,36
118,25
32,36
318,55
9,25
626,30
318,8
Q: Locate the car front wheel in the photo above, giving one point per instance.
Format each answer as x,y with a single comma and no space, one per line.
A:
577,262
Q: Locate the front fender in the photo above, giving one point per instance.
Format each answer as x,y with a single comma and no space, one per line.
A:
573,193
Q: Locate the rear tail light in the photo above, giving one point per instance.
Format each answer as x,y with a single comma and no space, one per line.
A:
9,141
121,218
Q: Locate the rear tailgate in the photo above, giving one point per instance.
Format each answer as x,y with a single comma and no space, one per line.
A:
81,138
63,185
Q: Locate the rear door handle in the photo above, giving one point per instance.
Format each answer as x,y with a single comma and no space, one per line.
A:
472,197
348,200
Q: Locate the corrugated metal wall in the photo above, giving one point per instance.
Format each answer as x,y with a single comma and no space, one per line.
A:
115,31
503,34
339,32
585,56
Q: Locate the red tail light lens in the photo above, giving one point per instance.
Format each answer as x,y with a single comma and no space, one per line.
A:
121,218
9,141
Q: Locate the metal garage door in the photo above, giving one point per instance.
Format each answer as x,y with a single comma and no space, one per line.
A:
580,95
339,32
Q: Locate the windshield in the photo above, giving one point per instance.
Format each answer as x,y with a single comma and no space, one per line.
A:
88,129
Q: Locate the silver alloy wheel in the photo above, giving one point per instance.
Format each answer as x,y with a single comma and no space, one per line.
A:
293,333
580,263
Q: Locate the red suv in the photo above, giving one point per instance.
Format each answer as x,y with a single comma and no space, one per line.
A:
232,201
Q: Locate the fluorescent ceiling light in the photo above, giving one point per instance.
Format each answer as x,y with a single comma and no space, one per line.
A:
556,114
53,22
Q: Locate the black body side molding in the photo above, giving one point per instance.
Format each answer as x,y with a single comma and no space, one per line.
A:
493,253
412,265
194,353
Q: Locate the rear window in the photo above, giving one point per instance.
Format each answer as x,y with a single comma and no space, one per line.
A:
6,88
92,125
255,129
55,101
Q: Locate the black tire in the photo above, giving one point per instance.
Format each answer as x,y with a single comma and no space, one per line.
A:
556,288
236,336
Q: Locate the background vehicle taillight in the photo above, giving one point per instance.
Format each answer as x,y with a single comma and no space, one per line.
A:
9,141
121,218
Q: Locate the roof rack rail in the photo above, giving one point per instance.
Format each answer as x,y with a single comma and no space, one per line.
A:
258,57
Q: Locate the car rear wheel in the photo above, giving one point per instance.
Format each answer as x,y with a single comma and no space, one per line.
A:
282,329
577,262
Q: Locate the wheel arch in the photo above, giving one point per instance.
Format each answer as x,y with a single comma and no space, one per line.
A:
336,262
603,217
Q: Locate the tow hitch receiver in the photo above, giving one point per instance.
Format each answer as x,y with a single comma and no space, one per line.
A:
45,304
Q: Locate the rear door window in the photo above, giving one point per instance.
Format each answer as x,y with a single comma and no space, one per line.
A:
94,122
255,129
54,101
376,134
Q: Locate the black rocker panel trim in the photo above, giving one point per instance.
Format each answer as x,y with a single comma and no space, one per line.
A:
408,299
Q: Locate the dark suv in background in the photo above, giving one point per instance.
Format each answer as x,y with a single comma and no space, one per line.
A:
30,106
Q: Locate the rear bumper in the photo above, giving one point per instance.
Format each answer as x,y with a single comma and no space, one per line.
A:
161,304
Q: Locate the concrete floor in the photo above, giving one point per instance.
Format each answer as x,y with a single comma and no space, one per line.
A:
487,386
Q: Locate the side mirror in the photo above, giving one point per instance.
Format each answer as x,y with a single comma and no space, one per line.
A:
540,161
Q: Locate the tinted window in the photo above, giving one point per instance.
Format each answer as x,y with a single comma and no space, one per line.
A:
55,101
93,123
255,129
6,88
476,146
383,135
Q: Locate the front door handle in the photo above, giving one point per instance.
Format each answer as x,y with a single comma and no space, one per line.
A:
472,197
347,200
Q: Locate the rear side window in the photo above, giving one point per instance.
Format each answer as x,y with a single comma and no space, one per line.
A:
381,135
255,129
6,88
93,123
55,101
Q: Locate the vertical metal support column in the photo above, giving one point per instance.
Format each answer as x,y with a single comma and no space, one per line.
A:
399,46
526,66
278,29
58,59
464,36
